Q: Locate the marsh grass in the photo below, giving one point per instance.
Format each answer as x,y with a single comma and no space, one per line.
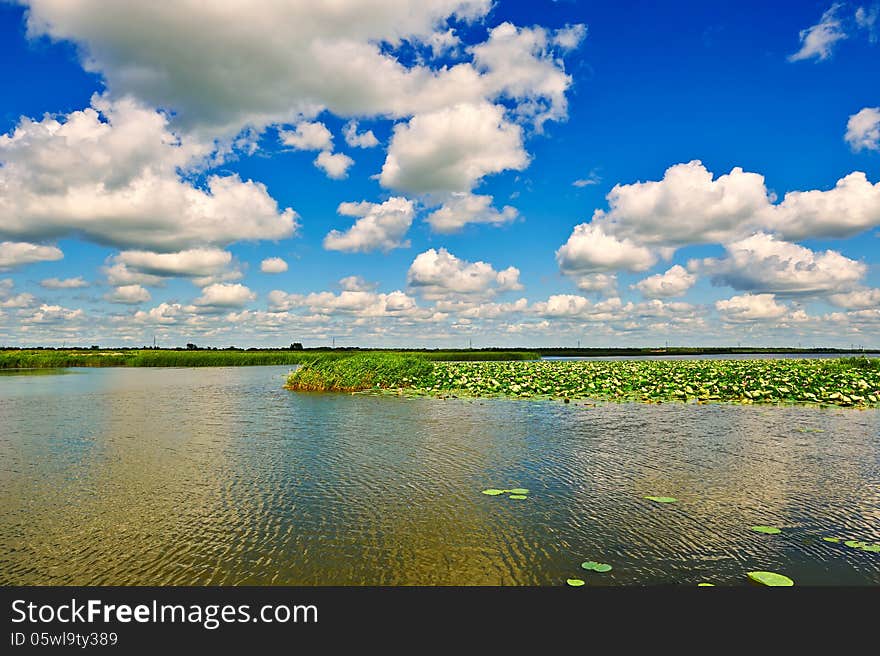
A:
360,372
60,359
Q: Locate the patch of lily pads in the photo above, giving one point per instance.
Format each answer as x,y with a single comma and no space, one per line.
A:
820,382
767,530
593,566
514,493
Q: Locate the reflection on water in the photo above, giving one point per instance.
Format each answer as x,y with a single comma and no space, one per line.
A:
220,476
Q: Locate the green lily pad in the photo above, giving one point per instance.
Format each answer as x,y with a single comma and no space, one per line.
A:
834,540
593,566
769,530
771,579
518,496
856,544
705,585
518,490
575,583
663,499
874,548
492,492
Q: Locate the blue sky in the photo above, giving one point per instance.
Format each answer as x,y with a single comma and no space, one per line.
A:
511,173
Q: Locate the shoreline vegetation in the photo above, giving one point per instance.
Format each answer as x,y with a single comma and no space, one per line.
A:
844,382
61,358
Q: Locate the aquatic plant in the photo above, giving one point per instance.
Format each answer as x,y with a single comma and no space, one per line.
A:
593,566
816,382
771,579
768,530
359,372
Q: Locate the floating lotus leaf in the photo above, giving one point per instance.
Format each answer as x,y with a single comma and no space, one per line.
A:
769,530
771,579
705,585
518,490
518,496
593,566
492,492
856,544
575,583
874,548
834,540
663,499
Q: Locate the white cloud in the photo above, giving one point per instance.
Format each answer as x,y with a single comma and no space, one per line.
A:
10,300
52,314
438,274
519,62
603,283
750,307
16,254
357,284
359,303
461,209
307,136
357,139
451,149
863,129
818,40
248,66
859,299
221,295
687,206
590,250
128,294
335,165
592,179
676,281
866,19
851,207
273,265
379,226
66,283
192,263
763,263
110,174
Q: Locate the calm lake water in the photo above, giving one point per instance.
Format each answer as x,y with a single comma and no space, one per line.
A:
220,476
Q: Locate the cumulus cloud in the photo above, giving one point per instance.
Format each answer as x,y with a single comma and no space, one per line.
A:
690,206
273,265
858,299
335,165
128,294
750,307
110,173
65,283
765,264
451,149
221,295
360,303
818,40
461,209
203,266
16,254
851,207
9,300
357,139
357,284
302,57
307,136
676,281
687,206
602,283
380,226
863,129
437,274
590,250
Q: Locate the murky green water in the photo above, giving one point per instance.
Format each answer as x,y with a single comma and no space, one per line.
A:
220,476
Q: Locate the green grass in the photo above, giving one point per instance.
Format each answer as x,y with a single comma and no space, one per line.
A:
849,383
360,372
59,359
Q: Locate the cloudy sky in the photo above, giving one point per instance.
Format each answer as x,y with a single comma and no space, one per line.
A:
425,173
